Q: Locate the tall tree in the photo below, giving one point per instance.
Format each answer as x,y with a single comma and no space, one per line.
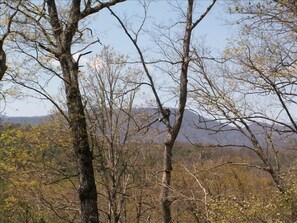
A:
49,31
110,91
181,46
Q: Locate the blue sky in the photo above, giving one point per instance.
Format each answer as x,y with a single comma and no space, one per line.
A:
212,29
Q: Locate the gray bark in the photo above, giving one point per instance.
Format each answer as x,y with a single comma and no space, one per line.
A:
166,180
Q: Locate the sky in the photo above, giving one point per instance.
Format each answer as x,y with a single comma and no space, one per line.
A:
212,29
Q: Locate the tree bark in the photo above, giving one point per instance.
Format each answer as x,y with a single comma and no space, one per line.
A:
3,66
83,154
76,114
166,182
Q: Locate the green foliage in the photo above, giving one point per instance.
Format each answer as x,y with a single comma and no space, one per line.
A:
33,171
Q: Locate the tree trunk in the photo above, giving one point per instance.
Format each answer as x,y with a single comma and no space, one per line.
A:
173,132
3,66
166,182
82,151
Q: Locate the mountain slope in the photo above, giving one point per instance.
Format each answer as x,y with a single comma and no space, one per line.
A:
34,120
195,129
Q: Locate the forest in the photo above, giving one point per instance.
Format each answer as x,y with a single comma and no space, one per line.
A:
169,131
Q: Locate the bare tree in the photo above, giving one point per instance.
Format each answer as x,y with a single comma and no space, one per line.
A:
181,46
110,90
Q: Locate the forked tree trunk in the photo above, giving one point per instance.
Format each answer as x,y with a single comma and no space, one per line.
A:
83,154
173,132
76,115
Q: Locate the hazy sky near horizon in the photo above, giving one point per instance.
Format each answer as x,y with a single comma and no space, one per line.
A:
212,29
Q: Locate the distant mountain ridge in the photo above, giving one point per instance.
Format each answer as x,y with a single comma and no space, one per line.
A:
195,129
25,120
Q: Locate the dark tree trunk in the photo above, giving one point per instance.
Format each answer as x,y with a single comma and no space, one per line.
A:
3,66
83,154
